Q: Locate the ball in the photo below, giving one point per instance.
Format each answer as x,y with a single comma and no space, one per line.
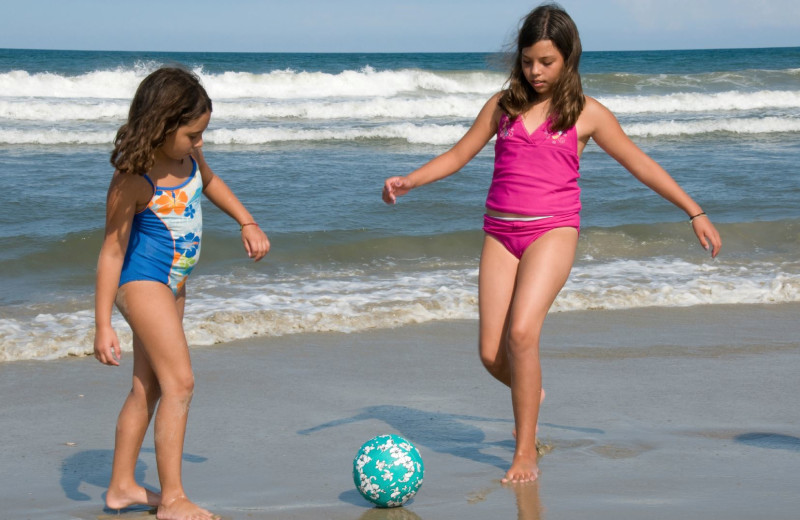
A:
388,470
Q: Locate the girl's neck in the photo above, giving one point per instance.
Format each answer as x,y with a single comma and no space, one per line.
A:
541,103
164,167
539,109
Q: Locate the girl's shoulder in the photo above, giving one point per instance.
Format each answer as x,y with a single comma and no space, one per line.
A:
593,117
133,187
132,181
493,103
491,112
494,106
591,106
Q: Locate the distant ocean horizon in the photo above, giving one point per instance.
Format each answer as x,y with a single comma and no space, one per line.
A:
306,139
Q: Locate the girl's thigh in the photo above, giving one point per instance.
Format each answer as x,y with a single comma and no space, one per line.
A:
543,270
155,316
496,281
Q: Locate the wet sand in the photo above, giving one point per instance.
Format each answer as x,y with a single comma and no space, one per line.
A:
654,413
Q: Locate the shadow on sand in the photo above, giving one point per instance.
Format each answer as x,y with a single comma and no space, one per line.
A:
772,441
93,467
441,432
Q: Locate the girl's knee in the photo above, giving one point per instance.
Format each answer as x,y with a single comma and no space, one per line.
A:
491,363
493,359
180,386
523,340
186,385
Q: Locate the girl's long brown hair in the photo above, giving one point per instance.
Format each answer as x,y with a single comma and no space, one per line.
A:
168,98
548,22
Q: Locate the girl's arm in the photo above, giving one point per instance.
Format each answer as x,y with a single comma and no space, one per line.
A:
597,122
121,205
255,241
481,131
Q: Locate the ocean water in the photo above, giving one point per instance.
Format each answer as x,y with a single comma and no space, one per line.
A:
306,140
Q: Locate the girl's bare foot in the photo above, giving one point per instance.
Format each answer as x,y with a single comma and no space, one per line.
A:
120,498
523,469
181,508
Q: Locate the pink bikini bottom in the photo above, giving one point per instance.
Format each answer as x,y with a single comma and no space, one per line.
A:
517,235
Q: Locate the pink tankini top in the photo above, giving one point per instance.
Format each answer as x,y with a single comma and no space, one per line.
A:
535,174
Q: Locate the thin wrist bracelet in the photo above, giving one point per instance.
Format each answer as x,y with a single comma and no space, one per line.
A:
701,214
241,227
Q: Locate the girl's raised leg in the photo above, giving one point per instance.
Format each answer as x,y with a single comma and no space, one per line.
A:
155,316
542,272
496,281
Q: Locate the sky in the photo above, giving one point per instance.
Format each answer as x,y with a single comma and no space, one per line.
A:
386,25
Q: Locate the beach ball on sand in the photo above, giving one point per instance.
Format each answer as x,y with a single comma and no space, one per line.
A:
388,470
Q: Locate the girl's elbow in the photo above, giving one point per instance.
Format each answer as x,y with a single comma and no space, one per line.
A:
109,262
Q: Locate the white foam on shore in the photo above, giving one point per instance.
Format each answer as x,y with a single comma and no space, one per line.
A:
225,308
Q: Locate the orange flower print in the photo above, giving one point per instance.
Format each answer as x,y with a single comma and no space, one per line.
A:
170,201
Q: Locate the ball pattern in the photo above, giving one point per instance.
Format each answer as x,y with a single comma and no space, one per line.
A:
388,470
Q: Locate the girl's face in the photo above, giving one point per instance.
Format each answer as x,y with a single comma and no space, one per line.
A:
542,64
186,139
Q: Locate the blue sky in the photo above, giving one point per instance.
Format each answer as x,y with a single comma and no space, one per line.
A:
386,26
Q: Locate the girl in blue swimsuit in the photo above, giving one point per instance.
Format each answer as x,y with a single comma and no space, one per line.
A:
152,242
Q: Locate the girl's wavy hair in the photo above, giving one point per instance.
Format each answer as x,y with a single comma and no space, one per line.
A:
547,22
166,99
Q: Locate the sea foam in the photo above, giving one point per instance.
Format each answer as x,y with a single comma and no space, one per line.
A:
224,308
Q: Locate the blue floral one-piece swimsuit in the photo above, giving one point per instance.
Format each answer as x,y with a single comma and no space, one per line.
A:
164,244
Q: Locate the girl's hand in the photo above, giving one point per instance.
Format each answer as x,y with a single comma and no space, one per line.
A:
255,242
106,346
707,234
395,187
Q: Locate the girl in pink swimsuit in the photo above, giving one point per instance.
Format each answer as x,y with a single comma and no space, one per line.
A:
542,122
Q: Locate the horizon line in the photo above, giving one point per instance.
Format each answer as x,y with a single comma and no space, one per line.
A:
381,52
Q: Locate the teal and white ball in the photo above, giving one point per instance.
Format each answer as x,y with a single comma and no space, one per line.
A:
388,470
